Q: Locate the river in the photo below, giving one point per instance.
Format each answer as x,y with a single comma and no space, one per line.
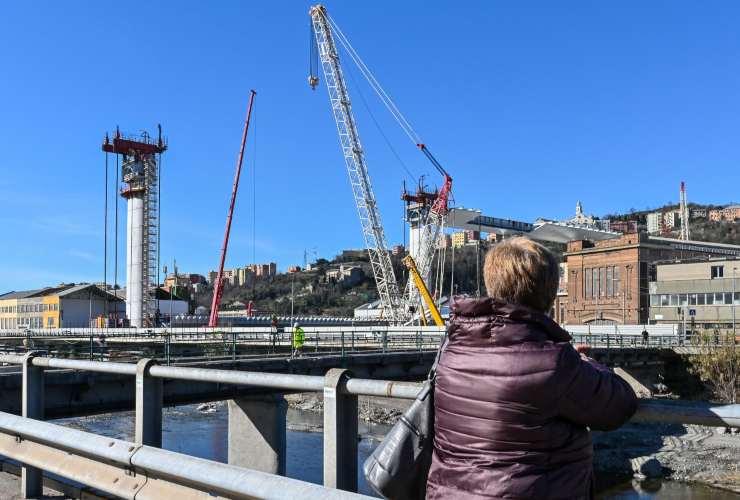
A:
204,434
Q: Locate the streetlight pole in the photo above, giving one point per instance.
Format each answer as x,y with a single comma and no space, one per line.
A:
452,274
734,270
292,297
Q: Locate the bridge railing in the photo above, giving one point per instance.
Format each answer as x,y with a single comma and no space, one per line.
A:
224,343
45,446
623,341
199,344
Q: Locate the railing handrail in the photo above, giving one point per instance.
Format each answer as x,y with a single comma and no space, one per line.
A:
286,381
181,469
340,427
653,410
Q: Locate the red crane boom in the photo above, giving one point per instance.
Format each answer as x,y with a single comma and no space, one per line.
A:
218,288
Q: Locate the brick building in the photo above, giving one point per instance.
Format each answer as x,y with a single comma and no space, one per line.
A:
730,213
623,226
608,281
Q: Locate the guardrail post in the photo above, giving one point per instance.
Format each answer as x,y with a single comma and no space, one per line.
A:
341,335
233,346
32,407
257,433
385,340
340,432
168,345
149,395
91,347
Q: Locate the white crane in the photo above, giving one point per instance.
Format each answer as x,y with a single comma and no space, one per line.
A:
354,158
396,307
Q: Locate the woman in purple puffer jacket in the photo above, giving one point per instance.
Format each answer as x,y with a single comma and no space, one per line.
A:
514,401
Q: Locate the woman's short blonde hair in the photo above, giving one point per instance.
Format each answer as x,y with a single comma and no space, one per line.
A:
520,271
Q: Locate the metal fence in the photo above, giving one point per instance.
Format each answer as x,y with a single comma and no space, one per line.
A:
172,345
653,330
140,469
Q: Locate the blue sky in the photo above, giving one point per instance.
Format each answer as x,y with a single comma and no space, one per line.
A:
531,106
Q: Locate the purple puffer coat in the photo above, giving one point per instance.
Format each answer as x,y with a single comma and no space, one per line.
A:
513,404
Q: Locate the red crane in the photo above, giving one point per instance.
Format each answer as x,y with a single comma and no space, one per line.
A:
218,288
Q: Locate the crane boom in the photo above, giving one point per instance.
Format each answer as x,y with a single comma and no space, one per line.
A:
367,209
218,287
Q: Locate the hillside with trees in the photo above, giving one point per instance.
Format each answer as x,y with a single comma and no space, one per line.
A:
702,229
315,294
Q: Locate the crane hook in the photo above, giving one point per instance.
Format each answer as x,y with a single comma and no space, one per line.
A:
313,81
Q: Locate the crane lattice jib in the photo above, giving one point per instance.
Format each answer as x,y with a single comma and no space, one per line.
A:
354,158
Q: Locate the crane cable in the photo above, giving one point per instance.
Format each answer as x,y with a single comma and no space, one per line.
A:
382,94
377,126
373,82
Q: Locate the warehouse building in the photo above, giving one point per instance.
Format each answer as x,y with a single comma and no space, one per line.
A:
704,293
64,306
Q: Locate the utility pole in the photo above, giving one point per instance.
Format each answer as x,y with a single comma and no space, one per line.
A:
452,274
292,297
734,270
174,268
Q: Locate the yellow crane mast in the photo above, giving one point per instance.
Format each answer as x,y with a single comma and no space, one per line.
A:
408,261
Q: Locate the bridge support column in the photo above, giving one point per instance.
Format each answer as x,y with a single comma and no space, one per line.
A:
340,432
257,434
149,391
32,407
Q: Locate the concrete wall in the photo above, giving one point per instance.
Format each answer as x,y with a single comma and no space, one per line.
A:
695,270
178,307
76,313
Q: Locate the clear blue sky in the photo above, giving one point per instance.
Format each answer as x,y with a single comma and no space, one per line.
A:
530,105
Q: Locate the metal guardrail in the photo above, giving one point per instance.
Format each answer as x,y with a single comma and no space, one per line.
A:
125,469
188,344
130,470
623,341
212,343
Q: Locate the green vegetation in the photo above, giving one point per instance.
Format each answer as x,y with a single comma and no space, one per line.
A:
717,364
702,229
314,294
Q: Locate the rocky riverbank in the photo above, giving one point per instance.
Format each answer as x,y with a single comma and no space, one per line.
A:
687,453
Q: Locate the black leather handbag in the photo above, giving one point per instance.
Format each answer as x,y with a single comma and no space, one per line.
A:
399,466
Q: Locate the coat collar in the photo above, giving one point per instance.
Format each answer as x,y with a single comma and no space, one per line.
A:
506,315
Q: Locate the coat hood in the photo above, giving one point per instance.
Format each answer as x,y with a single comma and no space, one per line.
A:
506,323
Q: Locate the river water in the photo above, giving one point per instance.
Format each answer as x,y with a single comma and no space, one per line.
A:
204,434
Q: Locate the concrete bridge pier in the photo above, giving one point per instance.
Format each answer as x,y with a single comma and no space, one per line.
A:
257,435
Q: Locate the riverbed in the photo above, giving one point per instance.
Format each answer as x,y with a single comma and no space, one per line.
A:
203,433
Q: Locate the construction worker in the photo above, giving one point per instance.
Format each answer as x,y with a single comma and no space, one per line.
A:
298,338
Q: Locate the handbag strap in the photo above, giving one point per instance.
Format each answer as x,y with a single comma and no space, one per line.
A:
433,371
